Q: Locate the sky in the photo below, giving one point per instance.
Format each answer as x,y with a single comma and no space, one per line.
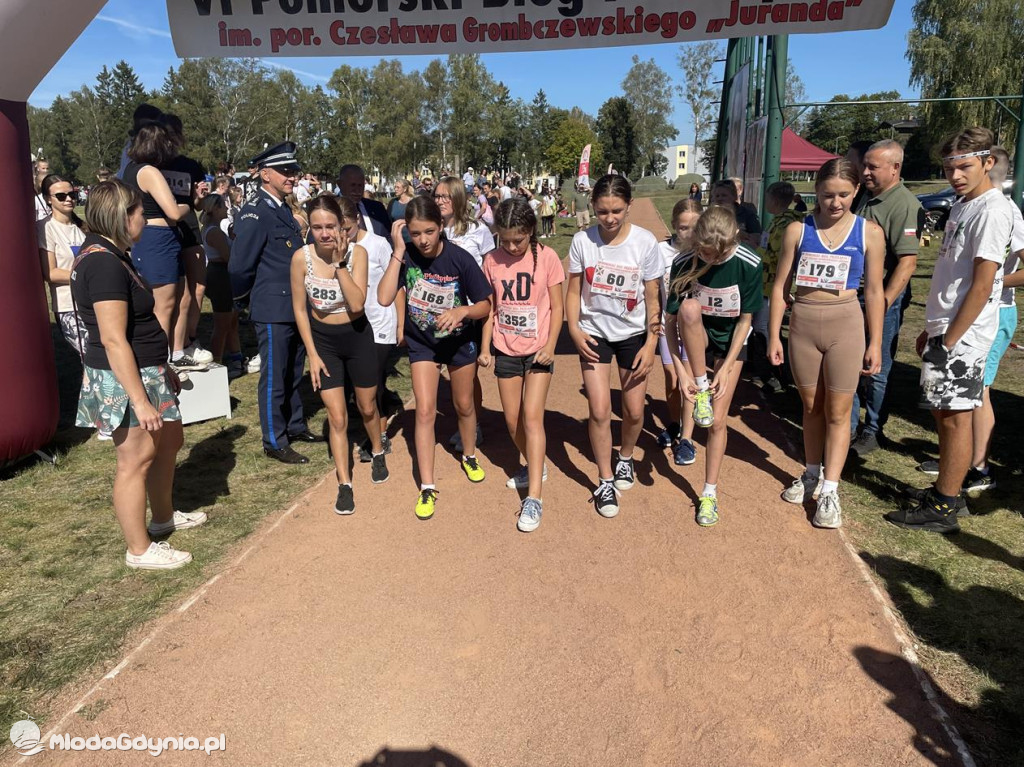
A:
846,62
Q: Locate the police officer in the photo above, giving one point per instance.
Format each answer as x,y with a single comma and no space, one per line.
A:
266,236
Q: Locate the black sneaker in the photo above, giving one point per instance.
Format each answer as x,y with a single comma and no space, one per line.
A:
866,443
975,481
929,467
605,499
186,362
918,494
625,473
379,470
366,451
346,503
928,514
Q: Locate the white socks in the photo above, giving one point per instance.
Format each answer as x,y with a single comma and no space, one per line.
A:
702,382
828,486
710,490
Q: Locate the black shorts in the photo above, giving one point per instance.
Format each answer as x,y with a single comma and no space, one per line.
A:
188,228
624,351
453,352
347,350
716,352
218,287
509,366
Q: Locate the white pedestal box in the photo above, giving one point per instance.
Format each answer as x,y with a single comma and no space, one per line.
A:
205,395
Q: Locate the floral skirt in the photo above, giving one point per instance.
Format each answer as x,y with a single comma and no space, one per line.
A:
103,403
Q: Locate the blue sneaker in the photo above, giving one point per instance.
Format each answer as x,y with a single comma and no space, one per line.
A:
668,436
684,453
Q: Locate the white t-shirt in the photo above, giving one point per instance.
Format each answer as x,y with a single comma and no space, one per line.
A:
505,192
302,192
981,229
617,310
64,240
42,208
1016,246
477,241
383,320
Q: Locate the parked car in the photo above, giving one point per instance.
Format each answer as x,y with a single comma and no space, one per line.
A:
936,208
937,205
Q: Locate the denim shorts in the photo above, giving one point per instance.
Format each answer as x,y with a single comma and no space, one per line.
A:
510,366
157,255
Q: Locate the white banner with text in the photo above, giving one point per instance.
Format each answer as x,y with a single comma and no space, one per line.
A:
242,28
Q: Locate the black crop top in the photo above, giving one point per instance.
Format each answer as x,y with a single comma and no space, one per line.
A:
150,207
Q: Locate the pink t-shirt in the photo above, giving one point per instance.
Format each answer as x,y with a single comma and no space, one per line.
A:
522,304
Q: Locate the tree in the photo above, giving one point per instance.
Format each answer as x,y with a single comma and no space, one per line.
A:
568,137
438,116
696,60
472,89
394,116
966,49
649,90
616,131
835,128
795,93
351,86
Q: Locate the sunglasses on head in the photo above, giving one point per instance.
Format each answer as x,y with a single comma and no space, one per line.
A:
62,196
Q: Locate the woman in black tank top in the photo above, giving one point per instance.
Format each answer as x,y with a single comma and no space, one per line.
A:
157,253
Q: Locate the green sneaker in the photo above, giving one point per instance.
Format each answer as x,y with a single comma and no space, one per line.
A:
707,510
703,413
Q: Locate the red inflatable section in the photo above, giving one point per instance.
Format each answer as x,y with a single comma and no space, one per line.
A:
28,381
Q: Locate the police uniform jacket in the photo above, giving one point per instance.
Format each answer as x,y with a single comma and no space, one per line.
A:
266,237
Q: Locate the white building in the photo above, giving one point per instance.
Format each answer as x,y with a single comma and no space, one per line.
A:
682,159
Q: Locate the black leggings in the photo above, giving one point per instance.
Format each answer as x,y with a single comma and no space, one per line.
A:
383,363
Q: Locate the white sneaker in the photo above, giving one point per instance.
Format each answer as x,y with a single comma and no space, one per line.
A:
102,436
199,354
829,513
180,520
521,479
253,365
802,487
159,556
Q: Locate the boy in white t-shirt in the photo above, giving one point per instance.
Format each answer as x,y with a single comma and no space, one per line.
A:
961,321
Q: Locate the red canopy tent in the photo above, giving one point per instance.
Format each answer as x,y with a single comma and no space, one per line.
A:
799,154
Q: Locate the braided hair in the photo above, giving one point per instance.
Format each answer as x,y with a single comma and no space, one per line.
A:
515,213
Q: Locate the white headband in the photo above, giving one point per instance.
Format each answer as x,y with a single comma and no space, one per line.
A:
982,153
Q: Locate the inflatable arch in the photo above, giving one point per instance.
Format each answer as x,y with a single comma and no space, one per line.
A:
28,379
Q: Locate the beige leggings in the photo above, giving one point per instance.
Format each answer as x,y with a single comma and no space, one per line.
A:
827,336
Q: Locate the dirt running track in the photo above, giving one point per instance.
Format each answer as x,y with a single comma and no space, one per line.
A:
642,640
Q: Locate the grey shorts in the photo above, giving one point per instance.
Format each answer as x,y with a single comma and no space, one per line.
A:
952,379
507,366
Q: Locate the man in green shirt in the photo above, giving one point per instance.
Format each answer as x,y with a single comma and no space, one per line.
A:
581,207
894,208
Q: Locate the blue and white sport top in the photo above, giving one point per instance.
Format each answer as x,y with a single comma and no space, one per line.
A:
821,267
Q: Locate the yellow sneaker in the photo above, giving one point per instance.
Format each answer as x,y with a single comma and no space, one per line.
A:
472,469
425,503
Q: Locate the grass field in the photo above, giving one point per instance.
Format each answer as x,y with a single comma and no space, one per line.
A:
67,604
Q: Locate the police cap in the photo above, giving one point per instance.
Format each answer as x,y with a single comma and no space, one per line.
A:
280,158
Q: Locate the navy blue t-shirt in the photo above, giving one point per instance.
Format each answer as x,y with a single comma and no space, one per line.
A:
434,285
